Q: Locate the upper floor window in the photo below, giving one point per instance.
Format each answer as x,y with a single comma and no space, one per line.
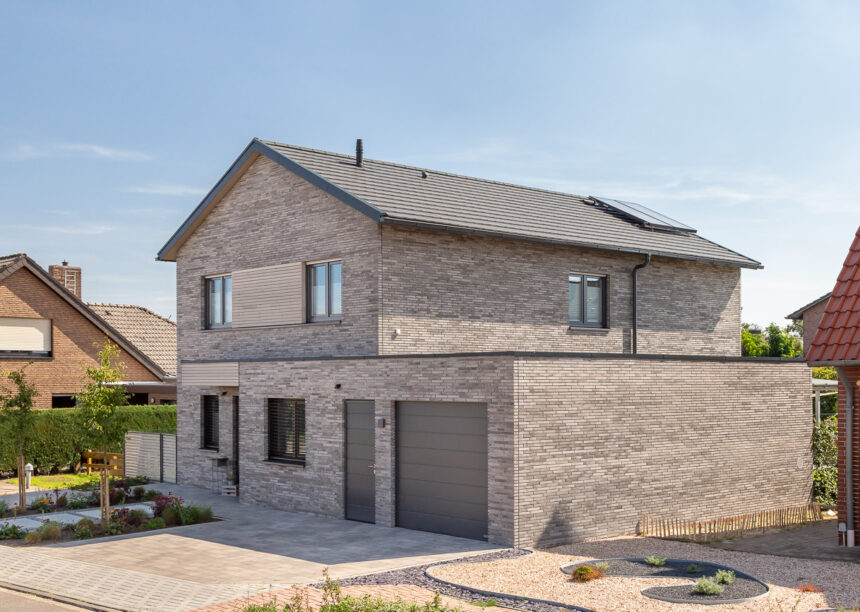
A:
587,300
25,337
324,291
219,301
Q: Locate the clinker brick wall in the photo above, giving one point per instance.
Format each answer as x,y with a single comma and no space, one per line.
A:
450,292
600,441
853,374
75,341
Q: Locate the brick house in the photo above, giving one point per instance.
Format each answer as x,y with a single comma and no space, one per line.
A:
837,343
385,343
44,323
810,315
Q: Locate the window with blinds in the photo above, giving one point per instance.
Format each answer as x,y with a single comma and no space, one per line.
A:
209,422
287,430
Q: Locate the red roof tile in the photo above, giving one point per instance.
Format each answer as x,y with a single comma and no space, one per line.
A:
838,335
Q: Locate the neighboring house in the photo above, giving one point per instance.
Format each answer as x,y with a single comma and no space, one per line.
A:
44,323
837,343
810,315
386,343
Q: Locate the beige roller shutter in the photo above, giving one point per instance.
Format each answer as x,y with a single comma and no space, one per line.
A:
214,374
25,335
273,295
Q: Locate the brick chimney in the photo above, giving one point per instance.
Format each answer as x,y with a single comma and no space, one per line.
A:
68,276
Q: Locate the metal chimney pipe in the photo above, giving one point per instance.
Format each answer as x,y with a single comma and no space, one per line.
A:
359,152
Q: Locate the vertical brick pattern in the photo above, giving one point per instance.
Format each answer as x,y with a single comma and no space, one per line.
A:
318,487
75,341
601,441
272,217
450,292
853,374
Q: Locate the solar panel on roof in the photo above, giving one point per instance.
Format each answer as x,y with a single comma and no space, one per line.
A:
643,214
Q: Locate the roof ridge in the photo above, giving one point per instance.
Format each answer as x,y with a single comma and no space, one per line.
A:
138,306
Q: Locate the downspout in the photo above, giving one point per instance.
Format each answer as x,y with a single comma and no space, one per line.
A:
636,269
849,455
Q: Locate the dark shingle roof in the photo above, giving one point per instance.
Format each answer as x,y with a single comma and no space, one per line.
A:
154,335
798,314
462,202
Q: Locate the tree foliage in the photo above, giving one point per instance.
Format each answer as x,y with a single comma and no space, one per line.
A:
775,341
16,415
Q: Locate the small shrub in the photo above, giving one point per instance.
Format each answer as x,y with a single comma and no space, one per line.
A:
77,503
51,531
487,603
149,495
4,508
117,497
85,523
11,532
808,588
62,501
42,504
725,576
138,492
171,516
135,518
83,534
708,586
655,560
601,565
694,569
199,514
155,523
586,573
34,537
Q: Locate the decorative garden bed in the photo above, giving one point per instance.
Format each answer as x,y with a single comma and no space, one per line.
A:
710,583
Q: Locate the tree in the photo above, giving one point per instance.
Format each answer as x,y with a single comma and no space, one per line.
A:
97,408
775,341
16,411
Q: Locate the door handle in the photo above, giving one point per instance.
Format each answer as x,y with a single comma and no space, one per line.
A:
372,467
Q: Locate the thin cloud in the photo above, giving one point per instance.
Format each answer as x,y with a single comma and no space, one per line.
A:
80,230
91,151
167,189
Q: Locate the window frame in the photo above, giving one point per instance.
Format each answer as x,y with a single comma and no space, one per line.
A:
329,317
206,443
207,305
604,299
296,458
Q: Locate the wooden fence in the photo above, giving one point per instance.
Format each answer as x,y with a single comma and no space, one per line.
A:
731,527
94,461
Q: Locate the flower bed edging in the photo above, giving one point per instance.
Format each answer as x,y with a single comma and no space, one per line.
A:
660,592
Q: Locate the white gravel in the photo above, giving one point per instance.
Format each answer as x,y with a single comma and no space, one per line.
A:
538,576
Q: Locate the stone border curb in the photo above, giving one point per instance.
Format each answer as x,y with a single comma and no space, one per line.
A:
567,568
57,598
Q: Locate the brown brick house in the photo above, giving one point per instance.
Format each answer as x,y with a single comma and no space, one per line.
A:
408,347
837,343
44,323
810,315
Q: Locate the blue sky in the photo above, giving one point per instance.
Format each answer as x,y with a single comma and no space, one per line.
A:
739,118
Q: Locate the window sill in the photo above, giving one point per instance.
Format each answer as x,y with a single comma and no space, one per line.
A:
285,463
209,450
310,324
577,328
24,356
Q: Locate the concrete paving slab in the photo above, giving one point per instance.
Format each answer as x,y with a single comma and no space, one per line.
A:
25,523
64,518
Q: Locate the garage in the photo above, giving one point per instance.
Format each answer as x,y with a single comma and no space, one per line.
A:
442,468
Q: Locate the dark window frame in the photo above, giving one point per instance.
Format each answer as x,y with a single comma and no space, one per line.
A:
309,295
223,324
209,436
604,306
299,431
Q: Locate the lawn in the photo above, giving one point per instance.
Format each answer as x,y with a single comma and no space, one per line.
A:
61,481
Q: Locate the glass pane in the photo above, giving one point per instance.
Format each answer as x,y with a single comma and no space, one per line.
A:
574,303
228,299
213,296
335,288
593,299
319,308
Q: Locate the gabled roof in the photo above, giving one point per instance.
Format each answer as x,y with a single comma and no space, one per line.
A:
798,314
153,334
9,264
407,195
837,340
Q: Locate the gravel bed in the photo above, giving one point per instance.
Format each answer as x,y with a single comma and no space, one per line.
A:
418,576
744,588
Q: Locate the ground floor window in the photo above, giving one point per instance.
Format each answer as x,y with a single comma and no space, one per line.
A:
286,420
209,422
62,400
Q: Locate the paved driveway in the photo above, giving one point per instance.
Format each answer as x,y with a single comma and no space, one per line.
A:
266,546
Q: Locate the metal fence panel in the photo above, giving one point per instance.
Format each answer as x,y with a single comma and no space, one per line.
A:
150,454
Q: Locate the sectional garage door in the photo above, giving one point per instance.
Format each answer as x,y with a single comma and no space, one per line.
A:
442,468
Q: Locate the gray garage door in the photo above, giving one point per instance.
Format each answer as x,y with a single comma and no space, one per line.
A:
442,468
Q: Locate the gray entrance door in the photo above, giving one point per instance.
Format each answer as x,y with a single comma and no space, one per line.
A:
442,468
360,456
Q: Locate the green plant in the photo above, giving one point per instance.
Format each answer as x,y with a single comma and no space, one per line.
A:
16,415
51,531
135,518
655,560
601,565
149,495
83,534
34,537
824,485
708,586
198,514
77,503
694,569
62,501
85,523
724,576
138,492
586,573
171,516
11,532
155,523
4,508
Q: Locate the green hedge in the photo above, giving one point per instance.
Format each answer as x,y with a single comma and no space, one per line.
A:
58,439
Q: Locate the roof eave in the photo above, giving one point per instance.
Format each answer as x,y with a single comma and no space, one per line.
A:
798,314
834,363
750,264
254,149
